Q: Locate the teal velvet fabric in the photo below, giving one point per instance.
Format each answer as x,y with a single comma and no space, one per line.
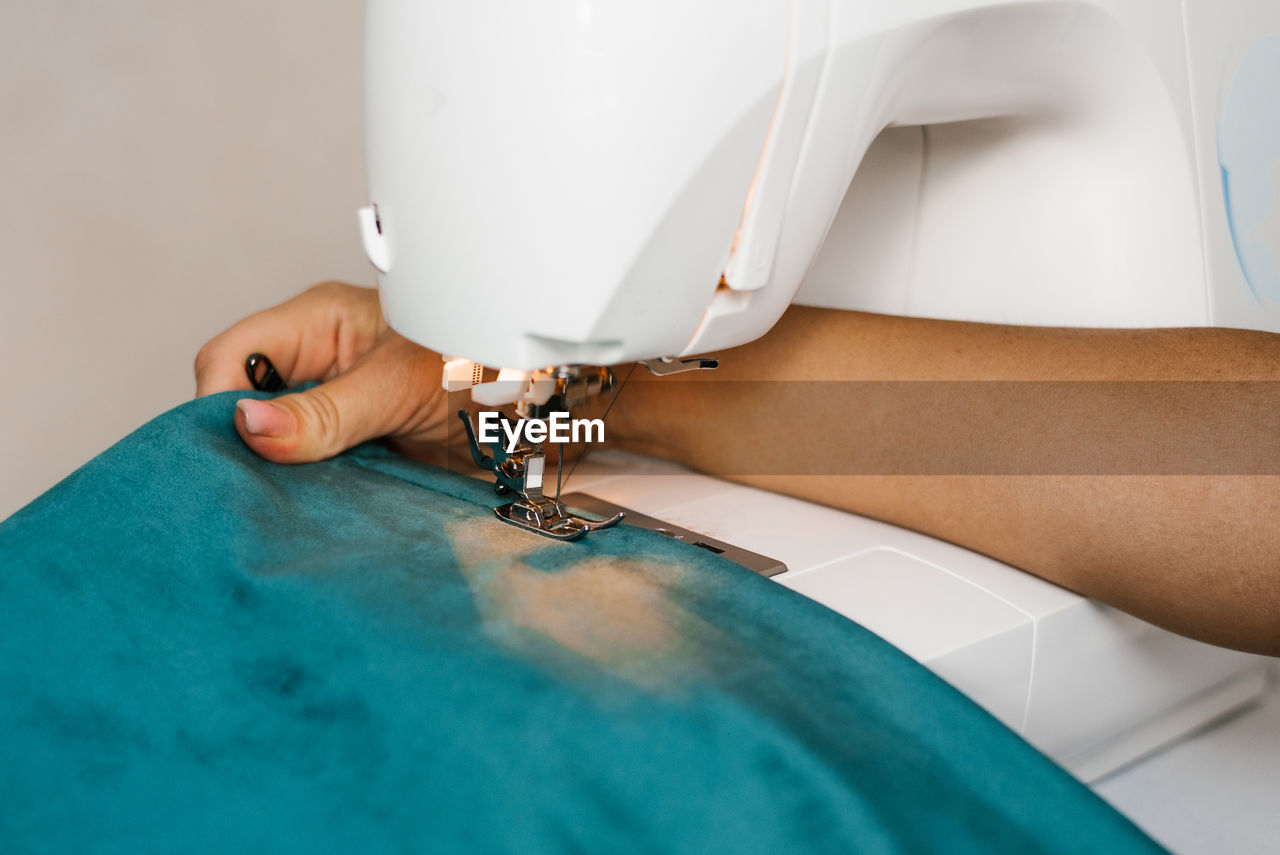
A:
204,652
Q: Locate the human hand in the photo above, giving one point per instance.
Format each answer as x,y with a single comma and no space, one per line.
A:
374,382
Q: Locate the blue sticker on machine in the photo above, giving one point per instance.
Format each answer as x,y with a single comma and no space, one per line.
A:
1249,154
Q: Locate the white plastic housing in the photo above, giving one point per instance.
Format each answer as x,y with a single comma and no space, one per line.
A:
567,182
559,182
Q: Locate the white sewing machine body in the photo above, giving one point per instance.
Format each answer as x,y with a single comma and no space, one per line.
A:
569,183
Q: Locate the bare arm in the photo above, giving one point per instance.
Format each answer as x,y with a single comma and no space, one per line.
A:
1197,553
1014,470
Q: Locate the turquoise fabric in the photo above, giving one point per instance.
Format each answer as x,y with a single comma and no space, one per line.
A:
203,652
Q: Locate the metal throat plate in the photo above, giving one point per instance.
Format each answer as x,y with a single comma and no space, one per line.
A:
753,561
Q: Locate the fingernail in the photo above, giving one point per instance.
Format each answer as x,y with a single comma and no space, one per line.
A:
263,419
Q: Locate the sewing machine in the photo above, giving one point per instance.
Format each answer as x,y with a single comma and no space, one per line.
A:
561,186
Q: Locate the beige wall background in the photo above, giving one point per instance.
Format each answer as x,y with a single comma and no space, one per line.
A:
166,167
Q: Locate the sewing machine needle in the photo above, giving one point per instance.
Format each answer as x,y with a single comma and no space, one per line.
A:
559,470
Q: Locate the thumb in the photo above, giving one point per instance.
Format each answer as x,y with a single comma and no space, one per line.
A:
394,390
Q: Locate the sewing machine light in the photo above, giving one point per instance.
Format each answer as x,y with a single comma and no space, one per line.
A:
461,374
512,385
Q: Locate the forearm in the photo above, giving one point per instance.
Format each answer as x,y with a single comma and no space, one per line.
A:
1195,552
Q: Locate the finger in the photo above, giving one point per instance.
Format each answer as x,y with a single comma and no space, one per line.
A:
393,391
315,335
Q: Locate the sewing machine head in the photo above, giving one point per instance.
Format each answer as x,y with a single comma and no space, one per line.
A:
588,183
561,184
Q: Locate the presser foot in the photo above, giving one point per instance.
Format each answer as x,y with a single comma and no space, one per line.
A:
520,472
551,518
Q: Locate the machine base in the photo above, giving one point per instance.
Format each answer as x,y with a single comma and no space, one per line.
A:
1090,686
